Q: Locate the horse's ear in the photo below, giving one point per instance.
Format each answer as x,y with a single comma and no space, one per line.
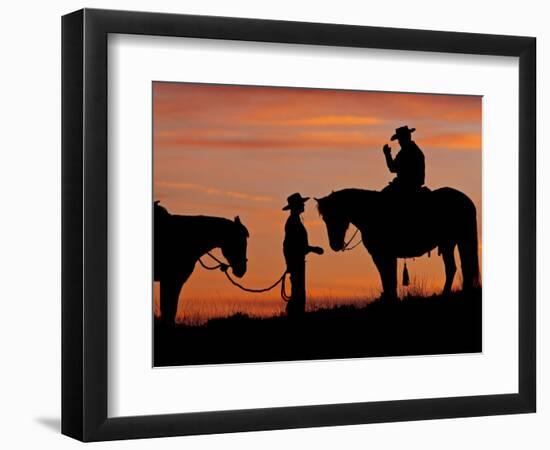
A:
316,199
238,220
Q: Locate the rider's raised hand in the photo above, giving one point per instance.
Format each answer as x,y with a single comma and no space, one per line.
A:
387,149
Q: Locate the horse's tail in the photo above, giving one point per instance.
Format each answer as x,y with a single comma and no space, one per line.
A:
468,250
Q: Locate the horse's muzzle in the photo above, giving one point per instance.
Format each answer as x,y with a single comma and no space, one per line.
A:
238,271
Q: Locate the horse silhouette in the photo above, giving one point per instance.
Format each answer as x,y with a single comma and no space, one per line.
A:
403,226
179,242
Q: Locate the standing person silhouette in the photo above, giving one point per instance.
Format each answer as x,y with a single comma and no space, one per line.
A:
408,164
295,249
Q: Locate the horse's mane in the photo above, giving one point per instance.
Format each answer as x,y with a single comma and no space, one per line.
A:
200,221
344,198
212,222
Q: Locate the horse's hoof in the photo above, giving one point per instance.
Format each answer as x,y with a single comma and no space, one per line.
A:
388,299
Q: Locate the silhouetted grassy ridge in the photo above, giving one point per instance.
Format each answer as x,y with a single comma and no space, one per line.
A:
412,326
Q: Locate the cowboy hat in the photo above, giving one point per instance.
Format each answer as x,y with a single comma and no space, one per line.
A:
295,200
402,131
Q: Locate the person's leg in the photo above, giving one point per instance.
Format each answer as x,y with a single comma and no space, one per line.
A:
292,307
300,277
290,304
296,304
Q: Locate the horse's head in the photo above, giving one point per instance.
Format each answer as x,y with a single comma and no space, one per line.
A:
234,247
335,218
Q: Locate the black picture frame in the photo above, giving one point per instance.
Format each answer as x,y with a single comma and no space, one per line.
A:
84,224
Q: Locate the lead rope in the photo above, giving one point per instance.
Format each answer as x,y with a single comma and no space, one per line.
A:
223,267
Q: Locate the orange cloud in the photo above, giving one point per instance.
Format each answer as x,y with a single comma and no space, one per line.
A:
212,191
303,138
471,114
256,141
454,141
334,120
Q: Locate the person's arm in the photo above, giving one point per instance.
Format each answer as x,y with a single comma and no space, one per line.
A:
390,162
316,250
309,248
422,169
419,164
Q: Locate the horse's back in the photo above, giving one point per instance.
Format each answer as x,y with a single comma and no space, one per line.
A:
173,240
176,232
452,200
416,222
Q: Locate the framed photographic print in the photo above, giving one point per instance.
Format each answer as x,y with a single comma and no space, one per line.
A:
273,224
241,151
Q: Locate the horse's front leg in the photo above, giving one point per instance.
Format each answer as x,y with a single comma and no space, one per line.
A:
170,288
387,267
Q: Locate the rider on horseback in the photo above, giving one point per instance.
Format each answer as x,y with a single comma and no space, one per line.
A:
410,169
408,164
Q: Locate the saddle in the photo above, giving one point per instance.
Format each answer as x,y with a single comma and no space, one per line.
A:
399,190
400,203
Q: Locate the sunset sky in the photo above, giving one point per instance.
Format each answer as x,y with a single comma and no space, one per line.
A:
225,150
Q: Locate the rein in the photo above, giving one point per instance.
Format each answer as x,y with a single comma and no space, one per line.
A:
221,265
224,266
346,247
